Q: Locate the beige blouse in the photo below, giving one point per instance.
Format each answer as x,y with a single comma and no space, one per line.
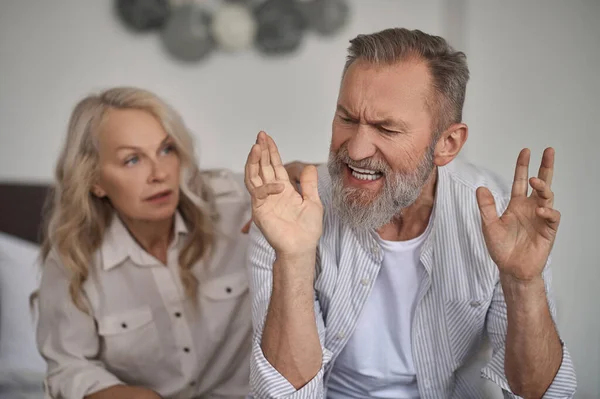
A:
141,331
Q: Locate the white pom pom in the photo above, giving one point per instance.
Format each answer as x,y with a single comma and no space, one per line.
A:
233,27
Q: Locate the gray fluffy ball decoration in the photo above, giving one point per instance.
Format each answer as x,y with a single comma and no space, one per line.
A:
249,3
186,35
143,15
325,17
280,27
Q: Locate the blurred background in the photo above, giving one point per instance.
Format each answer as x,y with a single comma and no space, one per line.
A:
234,68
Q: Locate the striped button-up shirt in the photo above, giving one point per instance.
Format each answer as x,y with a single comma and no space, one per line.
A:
460,304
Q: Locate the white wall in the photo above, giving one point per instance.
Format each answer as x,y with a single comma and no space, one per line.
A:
54,52
534,83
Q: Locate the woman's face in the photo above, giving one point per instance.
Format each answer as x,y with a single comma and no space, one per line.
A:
139,166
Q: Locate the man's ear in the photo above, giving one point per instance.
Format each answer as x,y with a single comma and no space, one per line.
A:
450,143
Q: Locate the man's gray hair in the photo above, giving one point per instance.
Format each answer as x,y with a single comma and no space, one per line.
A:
448,67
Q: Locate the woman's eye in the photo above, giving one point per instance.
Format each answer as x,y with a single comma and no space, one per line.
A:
132,160
168,149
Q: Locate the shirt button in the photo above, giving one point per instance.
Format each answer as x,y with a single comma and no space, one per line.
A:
186,349
228,290
475,303
124,325
192,383
177,314
341,335
375,250
364,281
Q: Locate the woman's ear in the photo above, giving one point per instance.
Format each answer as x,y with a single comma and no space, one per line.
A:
450,143
98,191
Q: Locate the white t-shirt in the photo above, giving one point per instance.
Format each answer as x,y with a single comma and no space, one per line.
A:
377,361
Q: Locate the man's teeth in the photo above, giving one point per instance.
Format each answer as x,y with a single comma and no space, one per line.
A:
364,174
363,171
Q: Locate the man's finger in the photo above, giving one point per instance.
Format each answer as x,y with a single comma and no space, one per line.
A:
251,175
519,187
264,191
293,170
546,171
278,167
551,216
266,169
545,196
309,183
487,206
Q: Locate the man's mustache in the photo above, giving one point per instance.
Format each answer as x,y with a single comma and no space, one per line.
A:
371,163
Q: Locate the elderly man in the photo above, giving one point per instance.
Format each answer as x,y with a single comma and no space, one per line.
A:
383,277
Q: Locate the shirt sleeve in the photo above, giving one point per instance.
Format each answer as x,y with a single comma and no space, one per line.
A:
265,380
564,383
68,340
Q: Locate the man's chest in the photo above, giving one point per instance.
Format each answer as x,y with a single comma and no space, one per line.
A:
449,311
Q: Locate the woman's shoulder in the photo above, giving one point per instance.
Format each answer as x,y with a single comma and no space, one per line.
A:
227,185
230,194
233,206
53,261
54,265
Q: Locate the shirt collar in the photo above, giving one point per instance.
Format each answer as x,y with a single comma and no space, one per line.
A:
118,244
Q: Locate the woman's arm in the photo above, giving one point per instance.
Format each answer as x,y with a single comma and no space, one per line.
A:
68,340
124,392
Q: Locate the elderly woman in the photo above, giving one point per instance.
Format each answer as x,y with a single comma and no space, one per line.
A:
144,291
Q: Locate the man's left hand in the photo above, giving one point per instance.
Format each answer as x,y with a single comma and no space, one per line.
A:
520,240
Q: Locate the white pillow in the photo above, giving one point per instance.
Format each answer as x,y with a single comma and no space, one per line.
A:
19,277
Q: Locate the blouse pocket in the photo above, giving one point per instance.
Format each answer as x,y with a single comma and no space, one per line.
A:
225,300
130,341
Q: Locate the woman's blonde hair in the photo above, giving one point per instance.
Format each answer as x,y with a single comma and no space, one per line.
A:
77,220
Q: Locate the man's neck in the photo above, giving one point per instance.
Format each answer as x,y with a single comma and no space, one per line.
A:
413,220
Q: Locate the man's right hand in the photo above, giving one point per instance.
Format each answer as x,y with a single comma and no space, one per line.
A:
291,222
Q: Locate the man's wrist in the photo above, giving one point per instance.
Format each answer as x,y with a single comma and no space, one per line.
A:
294,272
300,256
522,291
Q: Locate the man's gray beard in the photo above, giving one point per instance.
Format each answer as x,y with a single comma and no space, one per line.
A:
363,209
